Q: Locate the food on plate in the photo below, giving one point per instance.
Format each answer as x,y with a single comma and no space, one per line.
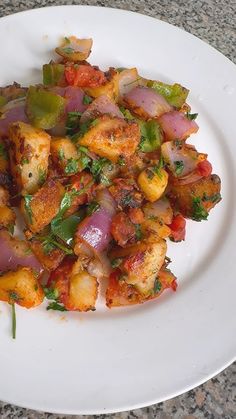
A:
100,166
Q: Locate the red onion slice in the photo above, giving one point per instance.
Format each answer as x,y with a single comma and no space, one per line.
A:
147,102
13,112
15,252
177,126
95,229
74,96
100,106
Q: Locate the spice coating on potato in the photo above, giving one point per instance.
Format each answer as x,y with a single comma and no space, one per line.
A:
41,208
21,287
64,155
195,200
112,138
49,260
142,262
29,152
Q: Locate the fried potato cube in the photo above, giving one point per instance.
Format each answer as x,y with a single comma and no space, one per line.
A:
50,260
83,290
41,208
29,152
7,217
112,137
64,155
142,263
119,293
153,184
21,287
195,200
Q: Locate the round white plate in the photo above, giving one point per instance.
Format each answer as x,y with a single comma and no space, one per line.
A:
120,359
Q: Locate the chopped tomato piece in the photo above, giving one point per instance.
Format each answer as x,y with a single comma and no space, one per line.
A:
78,183
178,228
204,168
59,279
84,76
122,229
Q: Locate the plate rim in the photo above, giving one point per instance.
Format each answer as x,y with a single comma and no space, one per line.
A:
228,363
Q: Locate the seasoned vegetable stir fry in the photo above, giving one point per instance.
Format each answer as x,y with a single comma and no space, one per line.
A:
101,167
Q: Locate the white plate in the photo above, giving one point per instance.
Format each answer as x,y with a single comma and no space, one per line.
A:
121,359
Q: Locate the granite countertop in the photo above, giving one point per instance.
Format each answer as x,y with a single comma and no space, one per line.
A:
214,21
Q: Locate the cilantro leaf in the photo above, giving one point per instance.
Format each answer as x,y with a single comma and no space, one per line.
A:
56,306
179,167
198,211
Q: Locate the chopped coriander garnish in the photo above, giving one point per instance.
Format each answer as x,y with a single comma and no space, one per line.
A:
212,198
68,50
72,166
116,262
157,286
50,243
51,294
10,228
199,213
84,161
13,311
42,176
120,69
14,296
138,232
157,169
191,116
56,306
97,169
61,154
87,100
121,161
179,167
104,180
24,160
92,207
3,152
72,121
28,199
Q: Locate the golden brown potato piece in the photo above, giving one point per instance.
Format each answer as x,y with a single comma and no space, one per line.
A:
41,208
4,196
49,260
83,290
29,152
195,200
64,156
21,287
112,137
4,158
119,293
142,262
74,49
7,217
109,89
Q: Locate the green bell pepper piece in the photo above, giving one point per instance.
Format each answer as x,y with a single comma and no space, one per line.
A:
53,73
175,94
44,108
151,136
65,229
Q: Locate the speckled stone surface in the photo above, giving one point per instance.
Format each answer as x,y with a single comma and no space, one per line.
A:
214,21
